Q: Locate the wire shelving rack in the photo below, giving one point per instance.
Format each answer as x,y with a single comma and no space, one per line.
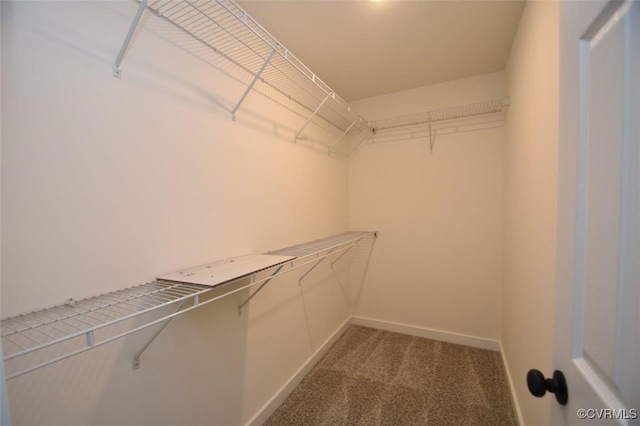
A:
436,115
439,119
228,30
38,339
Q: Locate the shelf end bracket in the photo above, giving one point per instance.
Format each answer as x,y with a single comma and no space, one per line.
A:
346,295
136,358
314,266
431,136
127,40
343,135
258,290
311,117
253,82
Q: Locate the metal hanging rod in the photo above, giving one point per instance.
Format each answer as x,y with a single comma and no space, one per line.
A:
38,339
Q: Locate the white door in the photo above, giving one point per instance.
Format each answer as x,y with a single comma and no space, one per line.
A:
597,322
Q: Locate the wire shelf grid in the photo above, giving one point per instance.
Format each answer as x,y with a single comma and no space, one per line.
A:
308,249
37,330
37,339
442,114
229,31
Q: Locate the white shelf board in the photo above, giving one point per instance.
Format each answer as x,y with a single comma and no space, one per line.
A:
224,271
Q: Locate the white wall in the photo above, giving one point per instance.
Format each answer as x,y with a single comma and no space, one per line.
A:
108,183
530,208
437,260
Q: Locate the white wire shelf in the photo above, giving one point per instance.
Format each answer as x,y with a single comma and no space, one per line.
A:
38,339
434,122
307,249
442,114
228,30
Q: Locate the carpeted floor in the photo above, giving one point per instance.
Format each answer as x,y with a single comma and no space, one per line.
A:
374,377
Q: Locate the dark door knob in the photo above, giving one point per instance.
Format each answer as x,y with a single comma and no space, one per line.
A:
538,385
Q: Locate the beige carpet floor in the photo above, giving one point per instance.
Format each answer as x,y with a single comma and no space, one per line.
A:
374,377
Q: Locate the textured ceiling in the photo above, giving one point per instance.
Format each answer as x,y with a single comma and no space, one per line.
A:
369,48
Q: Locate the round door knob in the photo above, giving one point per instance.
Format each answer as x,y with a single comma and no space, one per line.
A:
539,386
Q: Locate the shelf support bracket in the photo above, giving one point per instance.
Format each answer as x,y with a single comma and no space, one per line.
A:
431,137
295,139
342,135
136,358
253,82
314,266
366,269
132,29
258,290
343,253
338,277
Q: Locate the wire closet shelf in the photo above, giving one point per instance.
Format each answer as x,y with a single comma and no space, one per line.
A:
38,339
228,30
442,114
458,118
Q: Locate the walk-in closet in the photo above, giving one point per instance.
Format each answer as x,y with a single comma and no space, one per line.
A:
224,212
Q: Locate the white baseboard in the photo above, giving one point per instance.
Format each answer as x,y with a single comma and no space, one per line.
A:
282,394
512,389
444,336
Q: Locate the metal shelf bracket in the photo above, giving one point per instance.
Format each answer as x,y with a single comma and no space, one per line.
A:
311,117
136,358
253,82
314,266
127,40
258,289
338,277
342,135
340,257
432,137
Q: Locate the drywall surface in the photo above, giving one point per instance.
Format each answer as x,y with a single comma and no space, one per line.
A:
108,183
437,260
530,207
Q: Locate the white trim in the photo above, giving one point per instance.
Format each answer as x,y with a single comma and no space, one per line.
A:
512,387
444,336
263,414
